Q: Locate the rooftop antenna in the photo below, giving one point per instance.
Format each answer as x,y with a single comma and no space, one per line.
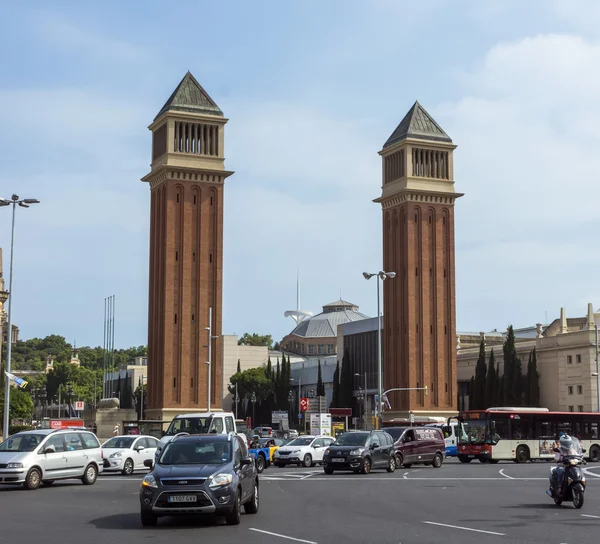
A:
298,315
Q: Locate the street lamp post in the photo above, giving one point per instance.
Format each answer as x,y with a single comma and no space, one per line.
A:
253,401
142,398
365,400
597,373
209,362
3,299
299,399
235,399
23,203
380,276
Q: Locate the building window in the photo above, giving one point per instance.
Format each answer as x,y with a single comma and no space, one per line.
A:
580,408
330,350
580,389
569,359
570,389
578,357
311,349
321,349
571,409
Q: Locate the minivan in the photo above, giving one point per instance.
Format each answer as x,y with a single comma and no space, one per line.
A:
418,445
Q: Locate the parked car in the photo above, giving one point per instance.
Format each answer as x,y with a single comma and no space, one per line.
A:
40,457
360,451
127,453
304,451
263,432
418,445
200,474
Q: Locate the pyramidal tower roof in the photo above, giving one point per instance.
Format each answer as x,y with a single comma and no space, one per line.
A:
189,96
417,123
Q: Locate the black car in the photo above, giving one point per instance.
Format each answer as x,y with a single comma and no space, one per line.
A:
360,451
200,474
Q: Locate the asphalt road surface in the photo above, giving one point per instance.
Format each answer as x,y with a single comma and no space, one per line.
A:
454,504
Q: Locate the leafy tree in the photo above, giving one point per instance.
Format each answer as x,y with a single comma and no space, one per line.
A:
490,382
256,340
480,379
21,404
320,385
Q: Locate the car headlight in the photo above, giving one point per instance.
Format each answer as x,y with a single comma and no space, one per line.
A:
295,451
357,452
14,465
327,451
116,454
220,480
149,481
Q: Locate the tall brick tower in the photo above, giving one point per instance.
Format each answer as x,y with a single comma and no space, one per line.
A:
186,252
419,325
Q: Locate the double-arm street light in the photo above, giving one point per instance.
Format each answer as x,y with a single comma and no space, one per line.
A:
380,276
23,203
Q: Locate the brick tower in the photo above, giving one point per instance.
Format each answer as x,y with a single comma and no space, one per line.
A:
186,252
419,325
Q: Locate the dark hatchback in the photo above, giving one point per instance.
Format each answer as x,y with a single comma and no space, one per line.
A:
199,475
360,451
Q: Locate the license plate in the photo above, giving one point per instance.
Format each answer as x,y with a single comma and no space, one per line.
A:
182,498
471,456
338,460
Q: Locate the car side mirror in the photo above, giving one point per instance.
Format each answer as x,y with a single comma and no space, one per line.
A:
50,449
245,461
148,463
139,448
374,446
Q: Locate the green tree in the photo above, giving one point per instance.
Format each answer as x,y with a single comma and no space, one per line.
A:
480,379
532,391
256,340
346,382
490,382
239,367
21,404
320,385
335,396
499,388
512,378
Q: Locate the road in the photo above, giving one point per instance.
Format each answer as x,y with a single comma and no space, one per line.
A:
456,504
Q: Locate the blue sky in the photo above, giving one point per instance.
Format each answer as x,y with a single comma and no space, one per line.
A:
312,91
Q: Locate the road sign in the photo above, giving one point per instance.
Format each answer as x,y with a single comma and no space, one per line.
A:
79,405
300,415
340,412
304,403
279,415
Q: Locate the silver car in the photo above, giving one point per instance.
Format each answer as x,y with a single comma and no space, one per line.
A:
40,457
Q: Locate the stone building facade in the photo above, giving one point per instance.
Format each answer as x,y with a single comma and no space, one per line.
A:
566,360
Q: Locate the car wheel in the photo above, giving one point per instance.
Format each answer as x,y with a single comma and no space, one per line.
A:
33,479
391,463
47,483
399,460
260,463
127,467
251,507
90,475
307,462
235,516
327,470
437,460
366,465
148,519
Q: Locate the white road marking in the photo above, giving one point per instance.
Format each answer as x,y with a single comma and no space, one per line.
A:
405,475
464,528
501,471
282,536
590,516
589,472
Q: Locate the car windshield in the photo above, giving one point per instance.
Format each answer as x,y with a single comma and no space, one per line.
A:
301,442
22,442
204,452
191,425
352,439
120,442
395,432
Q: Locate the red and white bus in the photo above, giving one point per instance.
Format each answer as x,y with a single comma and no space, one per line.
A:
522,434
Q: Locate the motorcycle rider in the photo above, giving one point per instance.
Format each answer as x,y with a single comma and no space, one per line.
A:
557,472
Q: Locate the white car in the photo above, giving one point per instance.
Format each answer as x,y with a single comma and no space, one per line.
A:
304,451
127,453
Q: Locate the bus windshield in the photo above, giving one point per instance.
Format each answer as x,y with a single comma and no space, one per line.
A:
473,431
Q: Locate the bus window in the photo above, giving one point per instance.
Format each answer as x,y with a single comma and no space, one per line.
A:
590,430
501,430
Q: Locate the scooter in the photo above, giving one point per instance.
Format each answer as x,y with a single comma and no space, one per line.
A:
572,486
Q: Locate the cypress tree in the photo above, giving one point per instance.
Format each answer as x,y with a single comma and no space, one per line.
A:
499,387
335,401
277,382
346,381
480,379
239,367
512,370
472,396
533,381
269,371
320,386
490,382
